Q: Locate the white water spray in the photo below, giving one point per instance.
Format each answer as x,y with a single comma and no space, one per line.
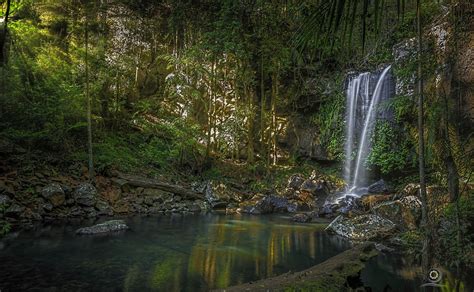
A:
361,114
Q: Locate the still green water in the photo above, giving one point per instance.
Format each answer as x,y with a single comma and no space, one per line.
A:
180,253
177,253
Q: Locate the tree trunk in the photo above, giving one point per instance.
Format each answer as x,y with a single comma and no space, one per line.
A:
143,182
274,124
425,224
263,103
88,97
251,127
3,36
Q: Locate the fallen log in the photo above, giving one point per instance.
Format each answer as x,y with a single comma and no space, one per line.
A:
149,183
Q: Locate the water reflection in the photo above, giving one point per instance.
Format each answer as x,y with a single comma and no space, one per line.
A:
192,253
263,249
239,249
393,272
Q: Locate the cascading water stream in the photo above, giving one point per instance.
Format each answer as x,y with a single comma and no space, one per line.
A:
352,93
361,115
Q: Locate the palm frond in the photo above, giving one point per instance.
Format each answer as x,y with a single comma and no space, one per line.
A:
336,19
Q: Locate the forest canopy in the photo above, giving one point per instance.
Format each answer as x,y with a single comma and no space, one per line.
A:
218,77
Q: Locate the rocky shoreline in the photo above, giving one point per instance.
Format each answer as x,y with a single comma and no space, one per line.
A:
43,198
377,215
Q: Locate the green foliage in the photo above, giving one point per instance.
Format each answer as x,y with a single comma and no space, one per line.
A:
4,225
183,76
41,99
412,242
330,122
176,143
458,251
162,146
114,152
389,152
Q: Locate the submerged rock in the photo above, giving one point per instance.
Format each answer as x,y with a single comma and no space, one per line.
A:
106,227
362,227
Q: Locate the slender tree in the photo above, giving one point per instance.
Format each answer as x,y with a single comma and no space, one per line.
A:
88,97
3,36
421,143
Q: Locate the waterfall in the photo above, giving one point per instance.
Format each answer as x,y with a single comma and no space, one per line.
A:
361,114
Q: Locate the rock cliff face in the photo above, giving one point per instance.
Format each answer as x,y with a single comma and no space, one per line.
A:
453,39
464,61
302,138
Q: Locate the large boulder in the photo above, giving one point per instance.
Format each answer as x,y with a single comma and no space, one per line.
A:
103,209
411,189
369,201
85,195
106,227
347,204
5,200
362,227
336,204
54,194
201,206
405,213
378,187
438,197
267,205
76,211
14,210
297,206
219,195
318,188
309,186
295,181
